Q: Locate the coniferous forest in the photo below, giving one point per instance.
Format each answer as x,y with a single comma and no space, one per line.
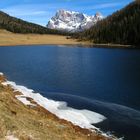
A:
122,27
16,25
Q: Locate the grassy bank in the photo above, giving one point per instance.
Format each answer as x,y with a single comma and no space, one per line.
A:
34,122
13,39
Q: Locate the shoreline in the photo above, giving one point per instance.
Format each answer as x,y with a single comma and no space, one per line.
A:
82,44
35,106
114,46
13,39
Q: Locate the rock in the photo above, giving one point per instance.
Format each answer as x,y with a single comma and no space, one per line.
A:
72,21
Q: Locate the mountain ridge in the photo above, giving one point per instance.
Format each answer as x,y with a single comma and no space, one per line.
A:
72,21
17,25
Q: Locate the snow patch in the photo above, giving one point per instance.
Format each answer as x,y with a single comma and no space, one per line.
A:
83,118
1,74
11,137
24,100
72,21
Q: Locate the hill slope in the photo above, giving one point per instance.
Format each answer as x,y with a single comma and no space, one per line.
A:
16,25
122,27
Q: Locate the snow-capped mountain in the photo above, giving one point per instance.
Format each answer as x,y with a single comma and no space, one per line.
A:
72,21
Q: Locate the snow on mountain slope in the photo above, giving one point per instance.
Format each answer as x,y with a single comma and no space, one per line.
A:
72,21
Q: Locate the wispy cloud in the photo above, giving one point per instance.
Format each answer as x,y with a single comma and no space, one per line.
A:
26,13
31,12
47,9
105,5
41,11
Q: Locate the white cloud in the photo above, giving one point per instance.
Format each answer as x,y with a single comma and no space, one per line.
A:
25,13
41,13
105,5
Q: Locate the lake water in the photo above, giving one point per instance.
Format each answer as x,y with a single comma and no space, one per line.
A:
103,80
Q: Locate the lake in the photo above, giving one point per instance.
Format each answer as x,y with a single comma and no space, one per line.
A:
103,80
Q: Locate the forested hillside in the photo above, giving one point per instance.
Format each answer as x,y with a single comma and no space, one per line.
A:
20,26
122,27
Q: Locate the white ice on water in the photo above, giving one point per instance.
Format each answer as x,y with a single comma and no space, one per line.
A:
83,118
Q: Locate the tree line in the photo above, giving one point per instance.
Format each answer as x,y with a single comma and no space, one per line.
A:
122,27
16,25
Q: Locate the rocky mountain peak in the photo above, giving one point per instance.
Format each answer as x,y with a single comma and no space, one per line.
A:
72,21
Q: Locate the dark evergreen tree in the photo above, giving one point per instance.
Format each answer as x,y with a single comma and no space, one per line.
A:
122,27
20,26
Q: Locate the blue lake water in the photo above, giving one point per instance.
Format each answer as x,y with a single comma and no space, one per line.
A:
103,80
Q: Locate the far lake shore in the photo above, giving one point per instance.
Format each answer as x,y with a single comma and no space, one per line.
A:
13,39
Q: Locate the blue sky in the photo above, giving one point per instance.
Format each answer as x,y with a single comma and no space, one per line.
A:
40,11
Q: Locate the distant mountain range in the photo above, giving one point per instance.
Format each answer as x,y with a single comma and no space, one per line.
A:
72,21
122,27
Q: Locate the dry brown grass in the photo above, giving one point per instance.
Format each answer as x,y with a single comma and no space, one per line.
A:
35,123
11,39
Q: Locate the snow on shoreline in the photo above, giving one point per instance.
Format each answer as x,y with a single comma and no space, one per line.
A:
83,118
1,74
